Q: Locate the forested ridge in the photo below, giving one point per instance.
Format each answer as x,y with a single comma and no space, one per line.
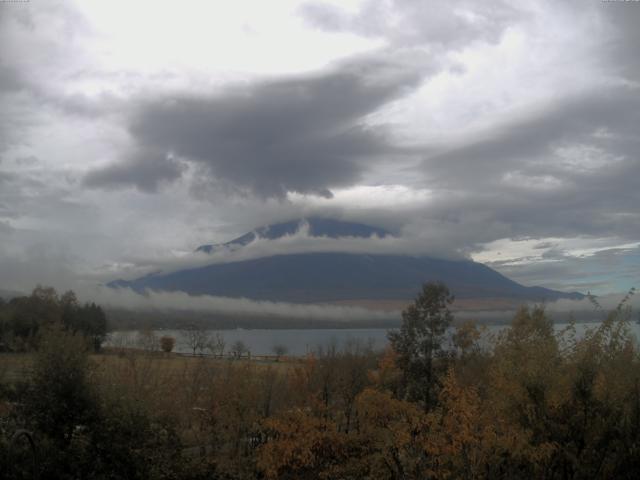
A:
529,402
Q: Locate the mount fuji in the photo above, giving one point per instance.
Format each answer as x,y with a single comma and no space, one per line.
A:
335,277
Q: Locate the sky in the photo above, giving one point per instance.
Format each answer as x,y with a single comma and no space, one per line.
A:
504,132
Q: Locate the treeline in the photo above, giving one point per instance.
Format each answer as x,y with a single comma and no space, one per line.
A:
527,403
23,318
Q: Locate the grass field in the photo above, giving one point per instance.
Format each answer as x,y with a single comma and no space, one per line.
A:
15,367
178,386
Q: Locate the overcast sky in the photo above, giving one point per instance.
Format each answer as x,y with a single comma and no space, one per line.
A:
506,132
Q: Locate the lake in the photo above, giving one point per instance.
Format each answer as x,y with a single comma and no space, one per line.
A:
301,341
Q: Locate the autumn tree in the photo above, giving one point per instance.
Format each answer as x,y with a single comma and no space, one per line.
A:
167,343
302,445
419,341
466,338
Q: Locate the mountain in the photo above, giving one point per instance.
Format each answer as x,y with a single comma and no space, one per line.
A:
327,277
317,227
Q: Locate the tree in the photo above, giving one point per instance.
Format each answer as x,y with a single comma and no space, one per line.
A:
196,337
29,314
60,398
88,319
466,337
279,350
419,341
147,340
217,345
239,348
93,324
167,344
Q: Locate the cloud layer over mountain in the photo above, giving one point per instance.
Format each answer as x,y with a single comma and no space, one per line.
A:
468,129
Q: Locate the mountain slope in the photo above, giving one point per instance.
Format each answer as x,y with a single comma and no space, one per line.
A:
326,277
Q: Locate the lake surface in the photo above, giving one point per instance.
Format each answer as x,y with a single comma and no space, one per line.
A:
301,341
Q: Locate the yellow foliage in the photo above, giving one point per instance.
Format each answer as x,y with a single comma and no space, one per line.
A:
298,442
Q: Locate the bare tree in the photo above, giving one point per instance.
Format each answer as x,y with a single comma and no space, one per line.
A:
279,350
239,348
147,340
216,345
196,337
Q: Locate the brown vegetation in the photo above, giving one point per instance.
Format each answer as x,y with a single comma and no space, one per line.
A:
535,404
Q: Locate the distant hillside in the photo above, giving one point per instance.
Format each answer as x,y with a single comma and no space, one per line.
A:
328,277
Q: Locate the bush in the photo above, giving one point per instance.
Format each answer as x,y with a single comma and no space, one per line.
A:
167,344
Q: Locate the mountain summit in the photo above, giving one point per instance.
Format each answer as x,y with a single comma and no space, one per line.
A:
316,227
333,277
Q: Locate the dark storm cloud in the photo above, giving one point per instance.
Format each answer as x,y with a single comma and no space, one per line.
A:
302,134
146,169
440,23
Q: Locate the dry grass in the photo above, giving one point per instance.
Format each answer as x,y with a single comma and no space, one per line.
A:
183,388
15,367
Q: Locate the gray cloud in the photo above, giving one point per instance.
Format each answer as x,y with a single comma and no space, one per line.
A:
10,79
606,118
5,227
440,23
305,134
146,169
126,298
620,47
569,169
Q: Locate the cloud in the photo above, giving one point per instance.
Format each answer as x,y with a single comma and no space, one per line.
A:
146,169
607,303
297,243
559,311
590,271
151,300
440,23
618,49
521,121
564,170
304,134
533,143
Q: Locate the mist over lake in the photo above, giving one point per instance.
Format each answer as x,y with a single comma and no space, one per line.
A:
299,342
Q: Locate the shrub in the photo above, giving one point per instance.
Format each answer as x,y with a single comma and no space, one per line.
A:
167,344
